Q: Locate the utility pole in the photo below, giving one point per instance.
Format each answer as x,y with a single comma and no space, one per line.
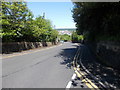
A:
44,15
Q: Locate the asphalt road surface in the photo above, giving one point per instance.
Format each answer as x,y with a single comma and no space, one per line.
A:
48,68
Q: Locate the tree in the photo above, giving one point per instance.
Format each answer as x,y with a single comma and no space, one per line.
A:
97,19
65,37
14,18
42,28
18,24
76,37
53,35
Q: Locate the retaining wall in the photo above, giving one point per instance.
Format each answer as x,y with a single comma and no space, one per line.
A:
20,46
109,53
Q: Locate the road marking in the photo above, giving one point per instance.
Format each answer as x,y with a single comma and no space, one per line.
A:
74,76
89,86
91,83
80,76
87,81
70,82
28,52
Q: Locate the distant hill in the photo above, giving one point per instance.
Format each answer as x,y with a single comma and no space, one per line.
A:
69,29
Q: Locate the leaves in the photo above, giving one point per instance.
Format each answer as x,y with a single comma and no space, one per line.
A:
97,19
18,24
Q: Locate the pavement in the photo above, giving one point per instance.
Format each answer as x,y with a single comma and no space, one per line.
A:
46,68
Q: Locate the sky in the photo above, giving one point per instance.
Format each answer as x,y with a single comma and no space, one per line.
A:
59,13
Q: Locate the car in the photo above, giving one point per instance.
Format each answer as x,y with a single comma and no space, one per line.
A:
61,41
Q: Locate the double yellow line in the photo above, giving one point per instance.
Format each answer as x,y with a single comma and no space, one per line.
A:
81,75
85,80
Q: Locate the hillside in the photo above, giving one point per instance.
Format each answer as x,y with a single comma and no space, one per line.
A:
63,29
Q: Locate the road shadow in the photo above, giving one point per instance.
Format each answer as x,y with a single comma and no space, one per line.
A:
107,75
67,56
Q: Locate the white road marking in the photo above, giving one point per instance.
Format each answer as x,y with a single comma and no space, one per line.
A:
74,76
70,82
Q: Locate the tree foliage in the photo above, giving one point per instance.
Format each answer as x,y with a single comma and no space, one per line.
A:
18,24
65,37
76,37
14,17
97,21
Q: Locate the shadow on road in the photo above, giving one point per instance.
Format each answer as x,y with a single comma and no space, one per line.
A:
67,55
105,74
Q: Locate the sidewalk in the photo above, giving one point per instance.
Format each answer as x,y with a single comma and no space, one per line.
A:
105,74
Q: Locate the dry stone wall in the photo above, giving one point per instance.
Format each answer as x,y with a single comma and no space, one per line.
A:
20,46
109,53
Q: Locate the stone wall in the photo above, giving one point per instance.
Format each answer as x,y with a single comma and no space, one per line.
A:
20,46
109,53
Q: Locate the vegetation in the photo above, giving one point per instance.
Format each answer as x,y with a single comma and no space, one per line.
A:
76,37
65,37
18,24
97,21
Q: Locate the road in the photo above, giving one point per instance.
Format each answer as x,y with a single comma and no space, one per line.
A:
48,68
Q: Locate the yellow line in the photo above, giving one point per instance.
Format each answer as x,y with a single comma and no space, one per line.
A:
88,82
4,57
74,68
80,76
89,86
81,73
91,83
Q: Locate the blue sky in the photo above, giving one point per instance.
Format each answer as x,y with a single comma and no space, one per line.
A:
58,12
